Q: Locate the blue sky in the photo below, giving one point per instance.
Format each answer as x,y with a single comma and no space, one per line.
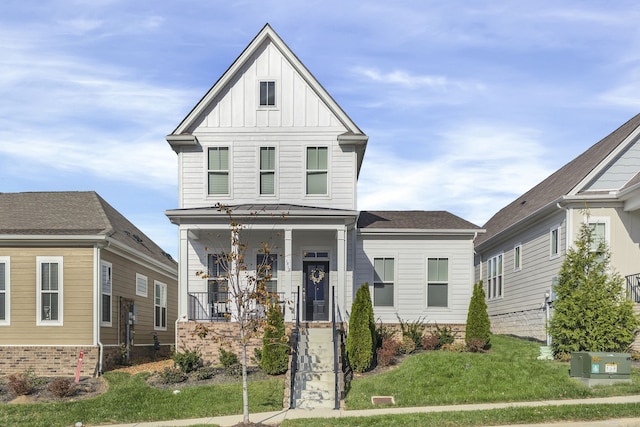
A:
467,104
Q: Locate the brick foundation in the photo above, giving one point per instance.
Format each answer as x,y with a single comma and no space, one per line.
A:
48,361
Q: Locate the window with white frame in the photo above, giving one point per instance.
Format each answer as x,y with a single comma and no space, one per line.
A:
218,170
267,93
49,285
5,290
267,170
218,281
554,241
598,235
517,257
317,170
267,268
106,284
438,282
142,285
160,305
495,274
383,280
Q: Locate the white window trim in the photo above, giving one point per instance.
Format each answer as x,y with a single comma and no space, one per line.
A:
229,194
306,170
7,290
607,226
146,286
162,285
491,296
275,172
278,270
373,282
39,261
110,294
277,93
559,248
448,282
519,267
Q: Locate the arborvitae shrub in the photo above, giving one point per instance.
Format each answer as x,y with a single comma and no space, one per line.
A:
591,311
478,325
274,358
360,340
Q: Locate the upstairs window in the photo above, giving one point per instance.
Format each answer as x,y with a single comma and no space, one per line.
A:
160,306
317,170
4,290
218,170
268,94
495,274
383,276
438,282
49,287
141,285
598,235
554,241
106,284
517,258
267,170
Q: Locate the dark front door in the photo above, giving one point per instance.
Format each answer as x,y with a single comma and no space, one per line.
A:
316,290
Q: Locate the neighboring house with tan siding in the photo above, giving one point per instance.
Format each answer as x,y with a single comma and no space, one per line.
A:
76,275
525,244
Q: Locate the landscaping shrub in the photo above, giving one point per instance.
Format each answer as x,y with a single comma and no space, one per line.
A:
478,328
476,345
413,330
227,358
172,376
387,352
454,347
62,387
188,360
383,332
406,346
445,335
274,358
360,340
591,311
205,373
430,342
21,384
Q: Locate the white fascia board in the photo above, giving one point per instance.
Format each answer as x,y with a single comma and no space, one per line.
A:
48,239
177,142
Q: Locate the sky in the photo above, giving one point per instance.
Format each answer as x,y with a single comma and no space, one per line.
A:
467,104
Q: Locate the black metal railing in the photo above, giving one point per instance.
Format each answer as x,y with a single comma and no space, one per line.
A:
209,306
633,287
336,365
295,334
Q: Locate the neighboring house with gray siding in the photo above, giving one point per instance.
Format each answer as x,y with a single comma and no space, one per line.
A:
268,142
521,253
77,276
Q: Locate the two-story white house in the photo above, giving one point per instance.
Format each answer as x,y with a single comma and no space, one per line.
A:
270,143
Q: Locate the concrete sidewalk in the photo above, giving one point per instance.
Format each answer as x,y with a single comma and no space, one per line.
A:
277,417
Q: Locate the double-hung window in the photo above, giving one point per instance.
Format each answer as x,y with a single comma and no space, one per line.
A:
5,291
317,170
267,270
160,306
438,282
106,282
383,279
218,170
598,236
267,170
218,282
517,257
554,241
49,287
495,273
142,284
268,93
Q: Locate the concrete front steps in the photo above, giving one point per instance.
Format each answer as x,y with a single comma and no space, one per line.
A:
315,379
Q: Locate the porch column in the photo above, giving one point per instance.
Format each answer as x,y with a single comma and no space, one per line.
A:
183,272
341,245
287,266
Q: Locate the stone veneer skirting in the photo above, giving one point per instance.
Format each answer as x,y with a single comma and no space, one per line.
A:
526,324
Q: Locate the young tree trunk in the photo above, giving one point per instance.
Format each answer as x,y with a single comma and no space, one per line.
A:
245,382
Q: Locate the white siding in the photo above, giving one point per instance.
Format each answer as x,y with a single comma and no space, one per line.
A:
620,172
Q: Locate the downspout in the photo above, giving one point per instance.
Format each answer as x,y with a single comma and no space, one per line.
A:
96,299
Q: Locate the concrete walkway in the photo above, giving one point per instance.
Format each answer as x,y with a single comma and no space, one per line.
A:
277,417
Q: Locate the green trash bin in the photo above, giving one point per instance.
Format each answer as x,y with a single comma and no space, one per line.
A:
595,368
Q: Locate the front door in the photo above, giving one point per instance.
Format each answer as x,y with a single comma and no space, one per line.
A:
316,290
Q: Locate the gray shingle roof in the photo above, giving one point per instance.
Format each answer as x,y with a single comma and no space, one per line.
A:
557,184
82,213
413,220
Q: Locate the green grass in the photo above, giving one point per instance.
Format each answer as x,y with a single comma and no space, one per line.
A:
480,418
130,399
510,372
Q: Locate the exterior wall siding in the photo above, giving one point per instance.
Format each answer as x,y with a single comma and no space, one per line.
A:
619,173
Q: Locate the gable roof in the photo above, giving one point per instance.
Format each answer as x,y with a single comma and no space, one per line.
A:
181,136
565,181
70,215
396,221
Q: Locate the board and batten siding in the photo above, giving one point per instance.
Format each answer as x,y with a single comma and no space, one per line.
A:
410,286
78,286
525,289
